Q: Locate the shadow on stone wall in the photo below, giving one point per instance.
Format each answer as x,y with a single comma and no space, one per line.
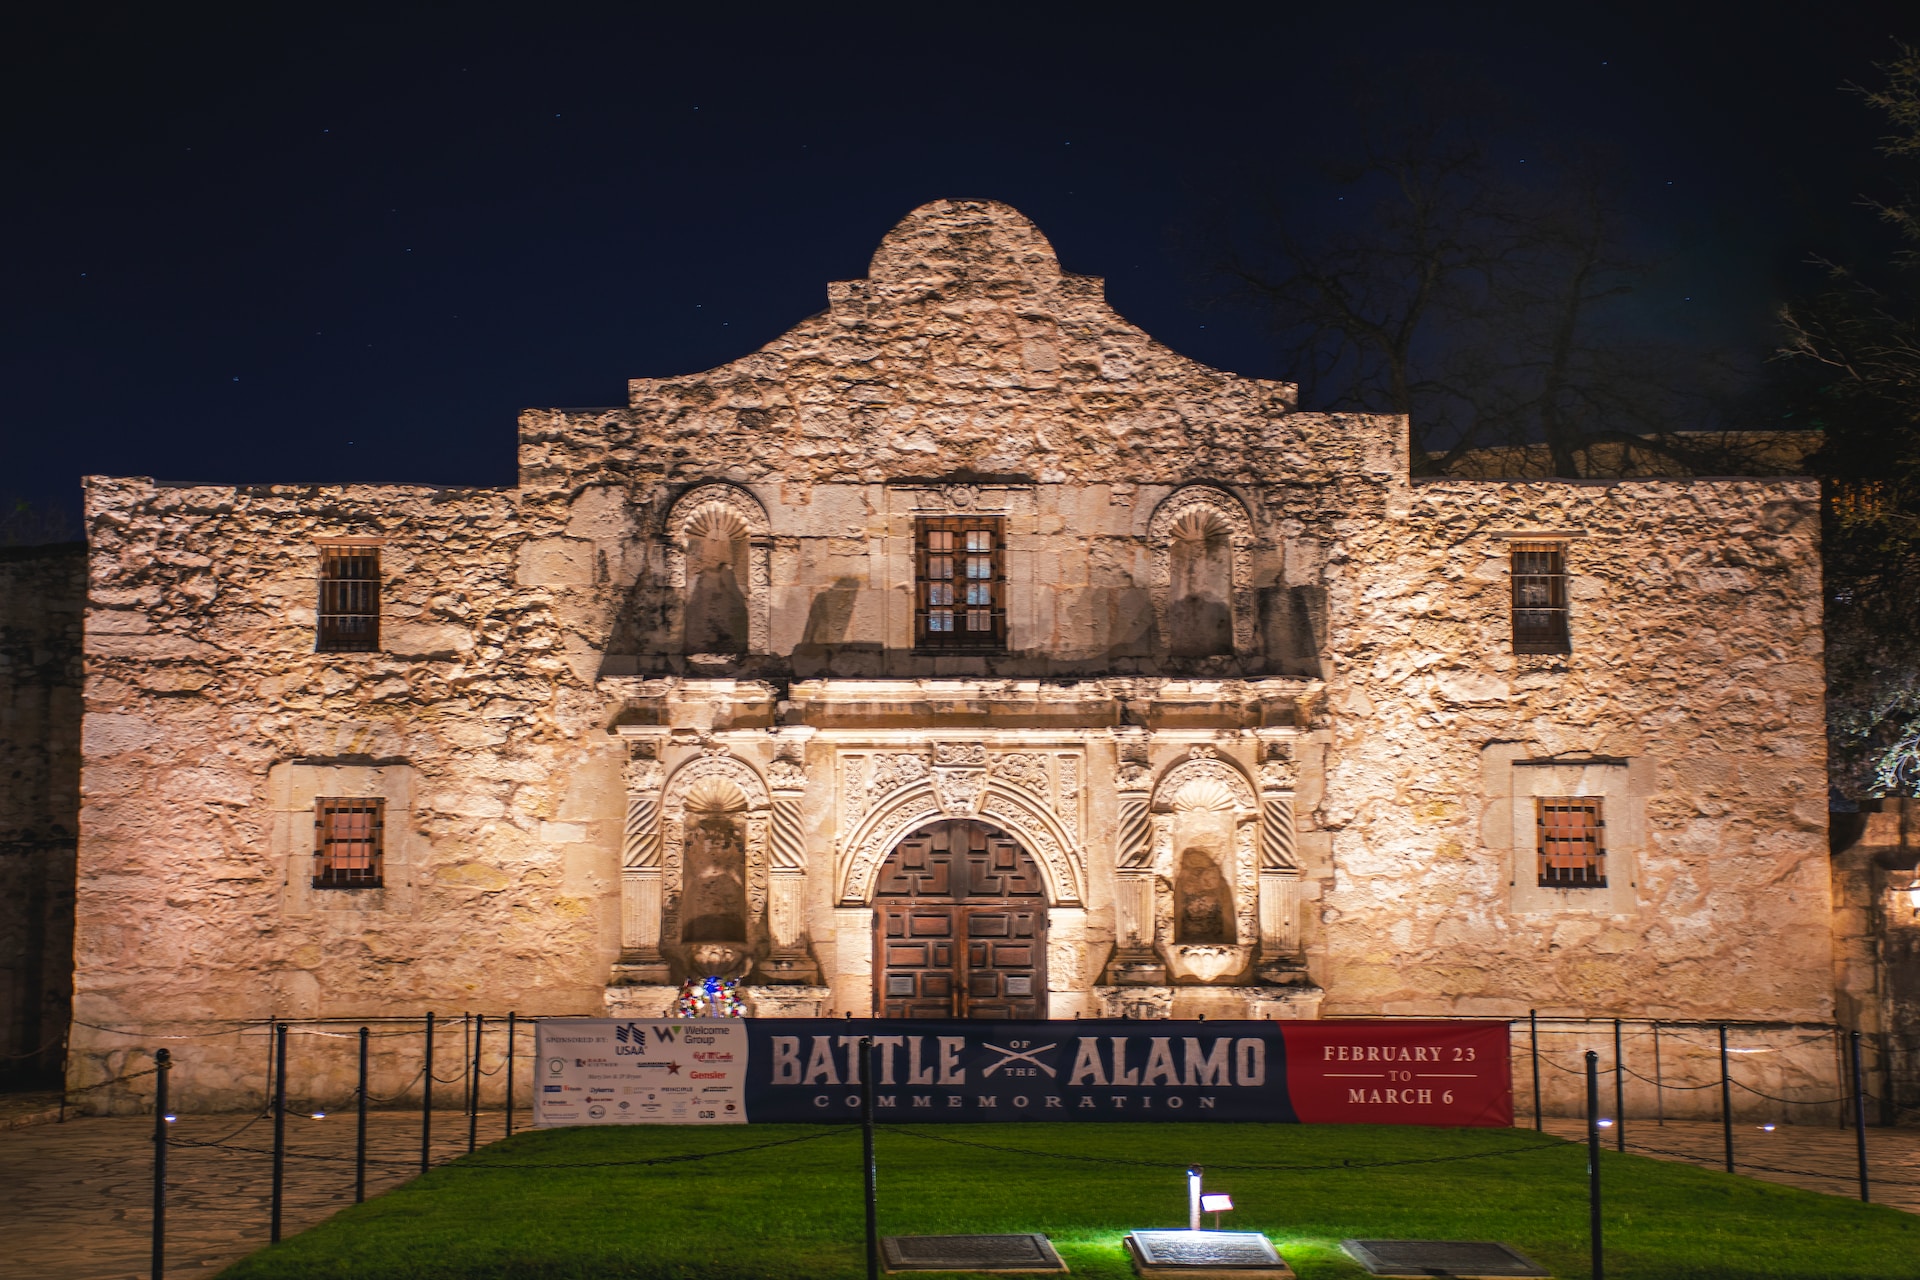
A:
42,608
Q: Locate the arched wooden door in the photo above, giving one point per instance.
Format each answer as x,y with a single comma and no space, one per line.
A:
960,927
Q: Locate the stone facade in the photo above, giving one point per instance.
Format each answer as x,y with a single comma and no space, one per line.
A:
1256,719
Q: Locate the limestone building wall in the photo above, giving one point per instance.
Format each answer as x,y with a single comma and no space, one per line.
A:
692,625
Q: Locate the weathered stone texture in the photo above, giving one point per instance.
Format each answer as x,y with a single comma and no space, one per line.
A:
1355,745
42,593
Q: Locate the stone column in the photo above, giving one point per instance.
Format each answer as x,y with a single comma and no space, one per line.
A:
1134,960
1279,867
640,874
788,961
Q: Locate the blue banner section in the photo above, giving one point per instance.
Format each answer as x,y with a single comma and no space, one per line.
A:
808,1070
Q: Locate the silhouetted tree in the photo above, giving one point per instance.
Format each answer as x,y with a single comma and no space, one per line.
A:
1853,349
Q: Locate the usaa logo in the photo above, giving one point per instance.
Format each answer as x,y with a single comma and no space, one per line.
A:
632,1038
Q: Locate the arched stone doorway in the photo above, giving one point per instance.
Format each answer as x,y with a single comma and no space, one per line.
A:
960,926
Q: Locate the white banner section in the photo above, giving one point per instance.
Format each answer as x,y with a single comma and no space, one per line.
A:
615,1071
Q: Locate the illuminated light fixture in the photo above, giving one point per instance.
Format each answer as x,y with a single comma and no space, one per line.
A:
1194,1174
171,1119
1766,1128
319,1115
1913,897
1604,1124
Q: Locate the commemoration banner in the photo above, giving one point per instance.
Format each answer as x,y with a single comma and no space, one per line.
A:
807,1070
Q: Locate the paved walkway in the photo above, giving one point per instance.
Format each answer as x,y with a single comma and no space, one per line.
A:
1812,1157
78,1197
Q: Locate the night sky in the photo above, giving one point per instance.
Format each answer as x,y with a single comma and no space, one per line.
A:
323,243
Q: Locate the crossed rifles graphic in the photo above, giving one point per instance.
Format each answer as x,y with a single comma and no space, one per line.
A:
1011,1056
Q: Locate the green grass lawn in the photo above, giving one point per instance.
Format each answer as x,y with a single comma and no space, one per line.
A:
561,1203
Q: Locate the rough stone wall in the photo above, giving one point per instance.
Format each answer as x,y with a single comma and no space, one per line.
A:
42,593
201,680
1695,650
516,624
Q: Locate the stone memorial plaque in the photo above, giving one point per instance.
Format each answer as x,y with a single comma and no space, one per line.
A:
1201,1255
969,1253
1444,1259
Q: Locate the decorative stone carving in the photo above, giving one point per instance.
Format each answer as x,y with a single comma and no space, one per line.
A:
1036,826
640,866
960,753
714,783
1066,799
784,774
1206,502
853,790
1023,769
1203,766
895,769
720,505
959,791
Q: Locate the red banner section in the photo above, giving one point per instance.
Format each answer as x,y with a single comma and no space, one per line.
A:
1437,1073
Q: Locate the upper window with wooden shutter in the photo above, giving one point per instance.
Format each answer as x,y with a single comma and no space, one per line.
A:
1539,571
348,618
349,838
960,583
1570,836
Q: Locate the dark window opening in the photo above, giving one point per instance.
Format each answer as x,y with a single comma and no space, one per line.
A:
1571,842
348,837
960,583
1540,599
349,613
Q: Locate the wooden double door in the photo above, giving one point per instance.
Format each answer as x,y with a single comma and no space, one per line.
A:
960,923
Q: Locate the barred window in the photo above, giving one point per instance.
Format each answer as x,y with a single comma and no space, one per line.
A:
348,840
349,613
1539,571
960,583
1572,842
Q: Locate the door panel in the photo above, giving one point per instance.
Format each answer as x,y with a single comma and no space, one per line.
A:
961,913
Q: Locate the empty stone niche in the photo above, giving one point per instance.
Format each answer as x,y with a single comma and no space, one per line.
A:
717,577
714,896
1200,587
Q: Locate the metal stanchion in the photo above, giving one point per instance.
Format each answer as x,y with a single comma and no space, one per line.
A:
1619,1092
426,1101
1593,1163
866,1149
1726,1098
360,1131
473,1094
510,1021
279,1128
162,1064
1659,1086
1533,1025
1859,1118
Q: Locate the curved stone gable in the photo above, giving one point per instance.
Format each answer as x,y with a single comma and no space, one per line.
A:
965,351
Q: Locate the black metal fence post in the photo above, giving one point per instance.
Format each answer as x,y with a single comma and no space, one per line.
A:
426,1100
162,1064
1593,1162
866,1148
1859,1118
1659,1081
510,1021
279,1128
1533,1025
1619,1092
473,1095
360,1130
1726,1098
